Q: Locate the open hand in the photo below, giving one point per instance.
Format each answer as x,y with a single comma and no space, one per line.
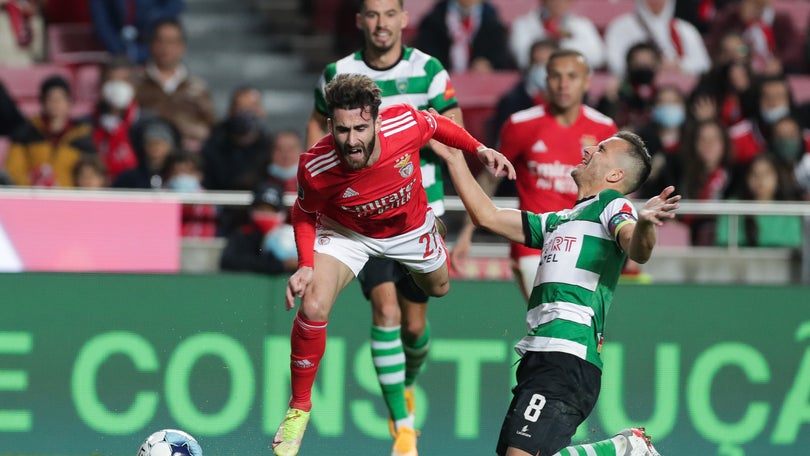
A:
660,207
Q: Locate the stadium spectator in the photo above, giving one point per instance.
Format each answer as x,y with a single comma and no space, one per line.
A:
788,142
768,33
554,20
182,173
465,35
529,91
399,307
662,136
282,166
167,89
123,25
237,145
629,100
707,155
259,245
89,172
351,173
153,142
679,43
767,179
559,373
726,92
115,116
44,150
751,136
545,143
22,33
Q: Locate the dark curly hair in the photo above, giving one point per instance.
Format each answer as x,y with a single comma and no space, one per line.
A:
353,91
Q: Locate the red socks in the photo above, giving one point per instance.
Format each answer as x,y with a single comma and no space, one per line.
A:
308,343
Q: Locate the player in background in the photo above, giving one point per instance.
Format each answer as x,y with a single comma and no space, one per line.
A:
584,248
545,143
360,196
400,329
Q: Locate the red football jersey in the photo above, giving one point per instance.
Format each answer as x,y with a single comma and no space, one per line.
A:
544,153
383,200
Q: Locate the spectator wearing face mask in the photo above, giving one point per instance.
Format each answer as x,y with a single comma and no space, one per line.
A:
237,145
182,173
263,243
663,135
115,116
529,91
628,101
751,136
282,167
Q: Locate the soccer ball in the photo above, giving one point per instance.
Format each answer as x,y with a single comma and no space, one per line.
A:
170,442
281,242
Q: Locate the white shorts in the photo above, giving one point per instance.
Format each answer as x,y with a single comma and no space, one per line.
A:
527,265
421,250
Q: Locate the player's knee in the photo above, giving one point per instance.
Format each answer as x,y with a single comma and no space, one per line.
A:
413,330
439,289
315,309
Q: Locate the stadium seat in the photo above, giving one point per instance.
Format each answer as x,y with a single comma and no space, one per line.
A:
477,96
66,11
74,44
673,234
799,11
601,12
800,86
23,83
87,83
684,82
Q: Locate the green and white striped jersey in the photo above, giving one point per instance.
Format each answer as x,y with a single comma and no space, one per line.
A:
416,79
578,272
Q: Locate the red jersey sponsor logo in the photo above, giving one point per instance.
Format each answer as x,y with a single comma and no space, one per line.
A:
380,205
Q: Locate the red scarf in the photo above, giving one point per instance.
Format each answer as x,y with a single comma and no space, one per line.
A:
715,185
114,145
20,23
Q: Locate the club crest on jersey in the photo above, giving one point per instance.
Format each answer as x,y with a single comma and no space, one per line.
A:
405,166
324,238
402,85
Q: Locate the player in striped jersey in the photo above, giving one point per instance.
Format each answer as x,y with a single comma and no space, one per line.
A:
400,329
584,248
360,196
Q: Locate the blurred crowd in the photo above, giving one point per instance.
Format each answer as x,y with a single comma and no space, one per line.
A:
704,82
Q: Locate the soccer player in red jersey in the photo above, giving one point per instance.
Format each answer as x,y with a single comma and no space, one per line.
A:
360,196
545,143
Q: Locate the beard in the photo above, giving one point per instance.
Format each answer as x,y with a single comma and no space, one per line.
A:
354,162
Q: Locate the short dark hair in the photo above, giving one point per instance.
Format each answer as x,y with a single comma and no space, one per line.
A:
115,62
640,47
352,91
163,22
88,161
641,157
362,4
568,52
54,82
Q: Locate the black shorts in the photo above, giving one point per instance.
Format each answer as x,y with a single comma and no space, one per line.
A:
381,270
554,394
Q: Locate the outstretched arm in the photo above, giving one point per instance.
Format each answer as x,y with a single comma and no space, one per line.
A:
638,239
450,134
505,222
